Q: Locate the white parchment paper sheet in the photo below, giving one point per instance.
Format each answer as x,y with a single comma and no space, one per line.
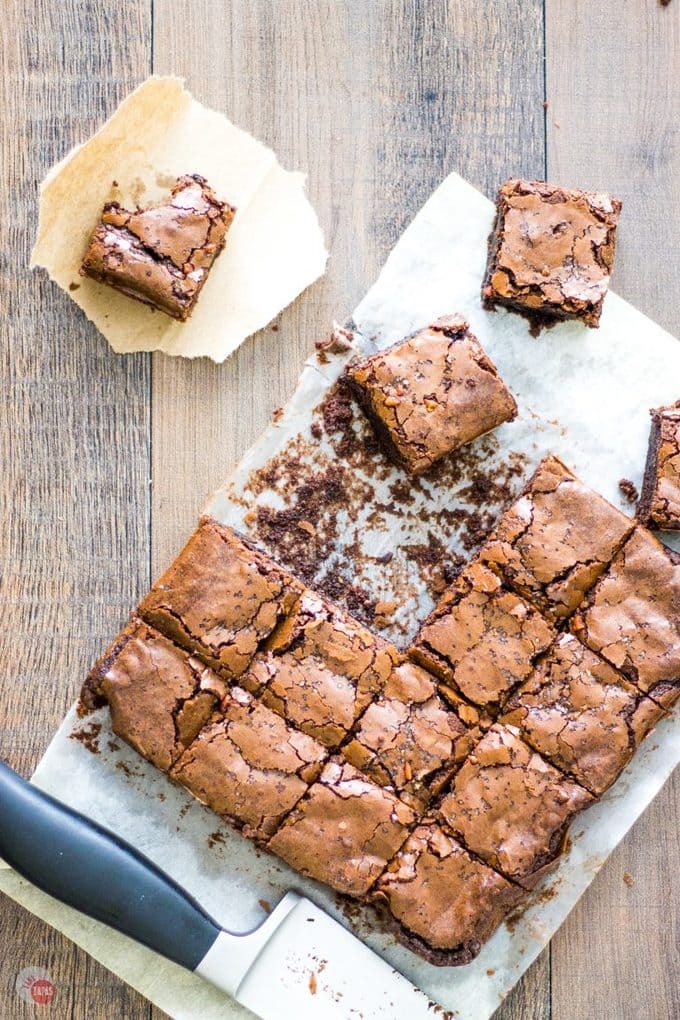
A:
584,394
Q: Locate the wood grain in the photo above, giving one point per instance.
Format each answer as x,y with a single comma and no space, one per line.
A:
377,100
614,108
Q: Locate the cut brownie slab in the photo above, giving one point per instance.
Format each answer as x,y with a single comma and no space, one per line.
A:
249,766
220,598
482,638
510,807
582,715
660,501
344,831
551,251
408,739
161,255
320,669
159,696
445,902
632,617
555,540
431,393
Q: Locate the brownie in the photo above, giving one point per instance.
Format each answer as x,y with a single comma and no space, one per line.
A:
551,251
344,831
482,638
431,393
511,808
220,598
408,739
320,669
632,617
659,505
159,696
445,903
249,766
161,255
582,715
556,540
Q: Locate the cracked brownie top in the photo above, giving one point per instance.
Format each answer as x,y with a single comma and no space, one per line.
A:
320,669
552,250
582,715
344,831
220,598
431,393
161,255
555,540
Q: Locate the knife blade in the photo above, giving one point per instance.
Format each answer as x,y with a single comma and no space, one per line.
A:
298,965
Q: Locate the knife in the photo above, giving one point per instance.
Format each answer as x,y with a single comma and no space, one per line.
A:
299,964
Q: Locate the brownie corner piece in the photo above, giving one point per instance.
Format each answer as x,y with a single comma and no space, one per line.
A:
659,505
161,255
551,251
344,830
249,766
441,902
555,541
510,807
431,393
632,616
582,715
220,598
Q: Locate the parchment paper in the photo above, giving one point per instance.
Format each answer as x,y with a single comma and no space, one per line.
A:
274,248
584,394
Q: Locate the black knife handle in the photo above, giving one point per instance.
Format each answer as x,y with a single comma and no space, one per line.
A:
87,867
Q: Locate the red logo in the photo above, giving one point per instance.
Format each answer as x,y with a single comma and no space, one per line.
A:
34,985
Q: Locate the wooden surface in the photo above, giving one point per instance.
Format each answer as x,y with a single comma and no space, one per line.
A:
106,460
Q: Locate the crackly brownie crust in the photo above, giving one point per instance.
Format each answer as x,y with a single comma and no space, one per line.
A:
320,669
431,393
159,696
551,251
482,638
409,739
344,831
632,617
221,598
556,540
441,902
249,766
659,504
161,255
582,715
510,807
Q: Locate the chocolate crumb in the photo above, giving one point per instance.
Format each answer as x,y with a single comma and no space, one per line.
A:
629,490
266,906
628,878
88,736
312,983
74,286
216,838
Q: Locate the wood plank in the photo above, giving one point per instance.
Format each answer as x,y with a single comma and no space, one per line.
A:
377,102
74,443
614,107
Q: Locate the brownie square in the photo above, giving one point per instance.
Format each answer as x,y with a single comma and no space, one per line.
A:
582,715
445,903
249,766
659,505
510,807
431,393
344,831
556,540
408,739
482,638
551,251
320,669
220,598
161,255
159,696
632,617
